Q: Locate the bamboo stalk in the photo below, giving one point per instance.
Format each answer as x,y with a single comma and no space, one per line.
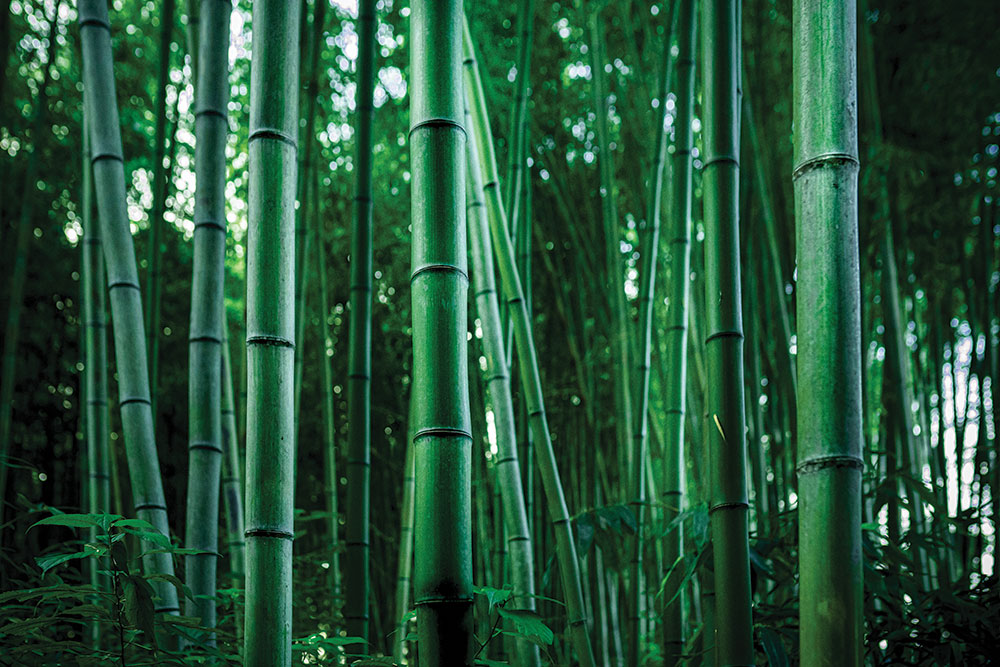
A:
274,89
829,461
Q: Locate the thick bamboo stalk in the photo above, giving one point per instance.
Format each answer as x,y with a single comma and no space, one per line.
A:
154,250
123,284
207,286
728,503
531,384
442,439
508,472
19,275
270,488
359,362
640,432
824,58
676,334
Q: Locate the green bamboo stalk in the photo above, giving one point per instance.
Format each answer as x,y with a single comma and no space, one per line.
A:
304,218
329,426
518,123
442,439
676,334
619,333
640,440
95,366
824,58
22,251
404,566
274,90
357,567
123,283
205,449
728,504
506,466
154,248
528,365
232,481
193,31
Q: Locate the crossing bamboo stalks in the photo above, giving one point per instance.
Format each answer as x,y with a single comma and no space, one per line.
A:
506,465
359,369
676,334
154,250
270,487
729,504
123,285
205,449
829,465
528,363
442,439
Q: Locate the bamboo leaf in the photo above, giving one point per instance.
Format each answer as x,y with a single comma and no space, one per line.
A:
49,562
528,624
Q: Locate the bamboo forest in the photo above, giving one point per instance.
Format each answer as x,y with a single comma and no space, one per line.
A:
427,332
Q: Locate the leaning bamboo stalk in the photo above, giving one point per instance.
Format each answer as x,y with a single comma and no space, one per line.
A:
270,485
829,465
442,440
123,284
528,365
205,449
357,567
506,466
729,504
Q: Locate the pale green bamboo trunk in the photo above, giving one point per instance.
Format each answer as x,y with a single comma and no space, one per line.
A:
508,471
154,250
824,59
404,566
205,449
442,439
727,469
123,283
640,441
528,364
232,480
357,568
676,334
270,486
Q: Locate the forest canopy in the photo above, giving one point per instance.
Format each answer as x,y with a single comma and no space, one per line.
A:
538,333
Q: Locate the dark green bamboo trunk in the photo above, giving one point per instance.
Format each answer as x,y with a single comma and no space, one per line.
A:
442,439
727,464
95,366
123,282
676,333
205,448
508,471
829,465
357,585
531,383
232,479
270,487
19,275
155,245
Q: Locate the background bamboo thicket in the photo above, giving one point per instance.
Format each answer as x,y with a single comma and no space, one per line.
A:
604,333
